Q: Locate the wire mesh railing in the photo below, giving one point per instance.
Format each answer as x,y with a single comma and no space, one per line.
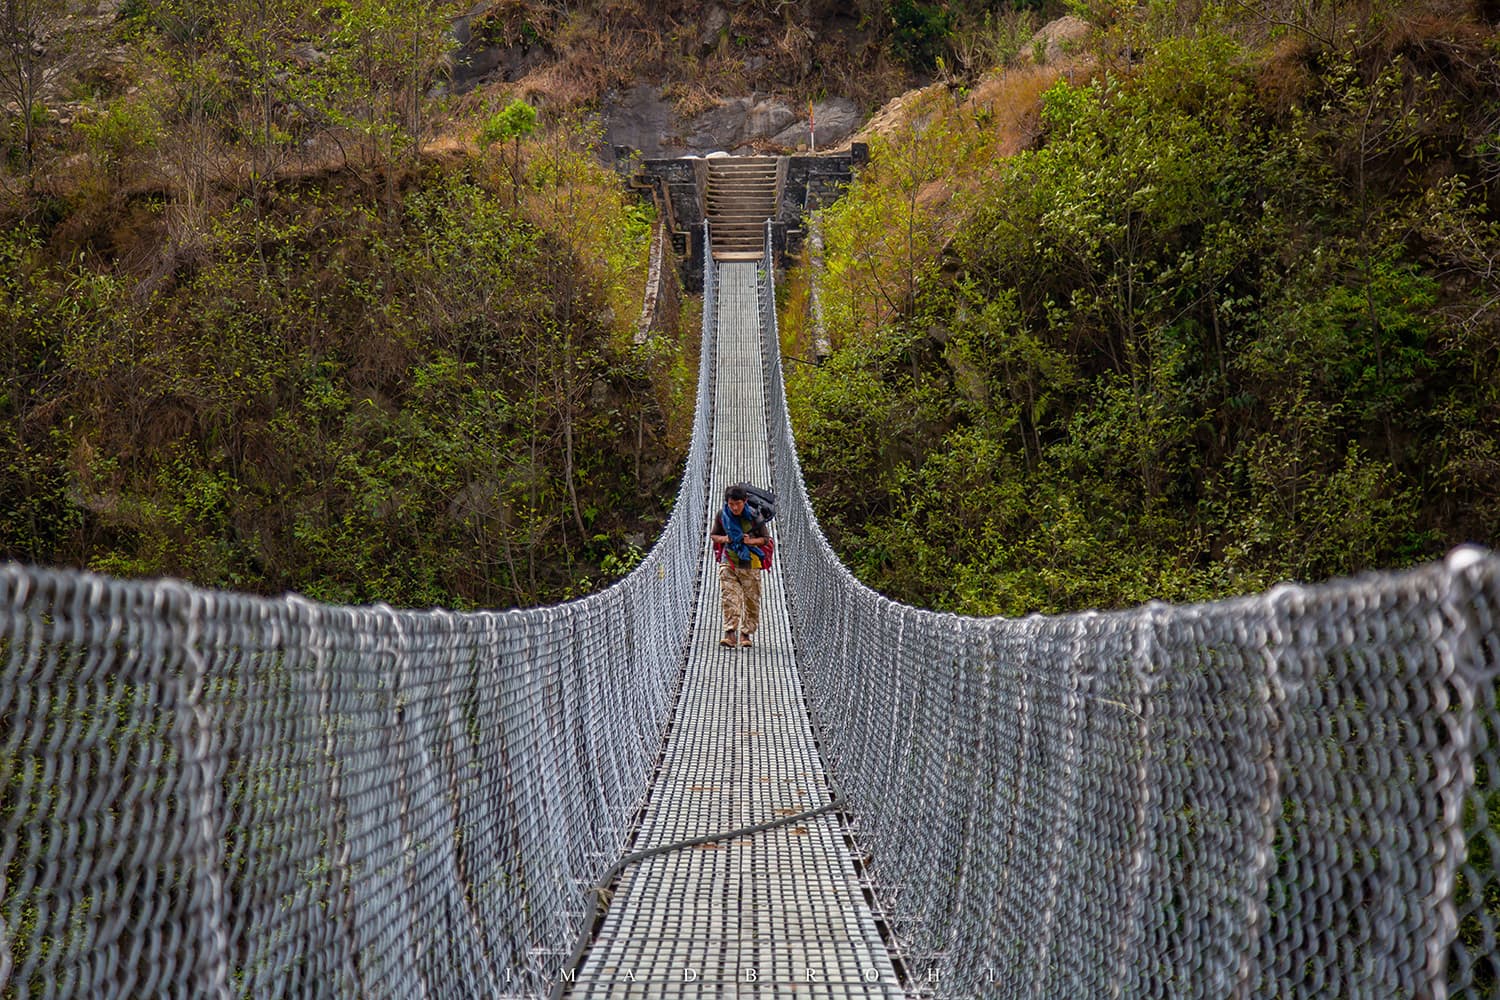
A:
1286,795
211,794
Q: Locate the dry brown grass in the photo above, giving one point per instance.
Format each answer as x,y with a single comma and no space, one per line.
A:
1444,37
1005,103
594,55
782,50
868,77
1012,100
561,86
698,85
1285,75
690,98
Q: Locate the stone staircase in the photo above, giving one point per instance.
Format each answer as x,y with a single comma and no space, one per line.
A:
741,197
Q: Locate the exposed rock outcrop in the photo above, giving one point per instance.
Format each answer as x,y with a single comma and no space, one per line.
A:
641,119
1058,38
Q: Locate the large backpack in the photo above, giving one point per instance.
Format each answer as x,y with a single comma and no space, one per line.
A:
764,501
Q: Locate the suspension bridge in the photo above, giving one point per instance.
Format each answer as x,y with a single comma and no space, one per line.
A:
1285,795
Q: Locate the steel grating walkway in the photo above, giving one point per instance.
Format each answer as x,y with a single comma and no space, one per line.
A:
779,913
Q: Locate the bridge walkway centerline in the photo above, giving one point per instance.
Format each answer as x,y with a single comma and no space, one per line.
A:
775,913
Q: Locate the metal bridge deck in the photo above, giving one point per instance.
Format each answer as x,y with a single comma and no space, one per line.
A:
779,913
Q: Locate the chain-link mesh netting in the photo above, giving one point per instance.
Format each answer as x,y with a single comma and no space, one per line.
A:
1288,795
209,794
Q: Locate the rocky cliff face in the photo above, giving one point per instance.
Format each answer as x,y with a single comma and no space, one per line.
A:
641,119
685,77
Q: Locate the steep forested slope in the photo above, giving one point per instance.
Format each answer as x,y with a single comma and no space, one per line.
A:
1230,318
293,296
275,313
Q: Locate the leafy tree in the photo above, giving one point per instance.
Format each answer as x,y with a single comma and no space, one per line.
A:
190,90
381,57
883,244
512,124
258,36
1185,346
36,43
919,31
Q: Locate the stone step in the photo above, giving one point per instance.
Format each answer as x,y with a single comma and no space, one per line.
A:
741,206
741,196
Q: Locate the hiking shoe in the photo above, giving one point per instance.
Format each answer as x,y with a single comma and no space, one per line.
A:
728,639
744,638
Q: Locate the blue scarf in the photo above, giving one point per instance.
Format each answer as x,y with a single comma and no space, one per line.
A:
737,536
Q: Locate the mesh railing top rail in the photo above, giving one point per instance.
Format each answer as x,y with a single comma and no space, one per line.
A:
1287,795
210,794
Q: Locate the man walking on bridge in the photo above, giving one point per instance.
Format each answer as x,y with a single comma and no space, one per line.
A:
739,536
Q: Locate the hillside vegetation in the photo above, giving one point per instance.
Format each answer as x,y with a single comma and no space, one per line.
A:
297,295
276,314
1211,305
1203,303
573,54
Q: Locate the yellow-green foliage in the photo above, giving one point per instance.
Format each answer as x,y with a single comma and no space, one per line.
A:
273,322
928,173
1206,333
883,237
587,208
426,403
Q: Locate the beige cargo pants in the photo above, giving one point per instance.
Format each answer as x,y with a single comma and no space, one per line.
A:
739,597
